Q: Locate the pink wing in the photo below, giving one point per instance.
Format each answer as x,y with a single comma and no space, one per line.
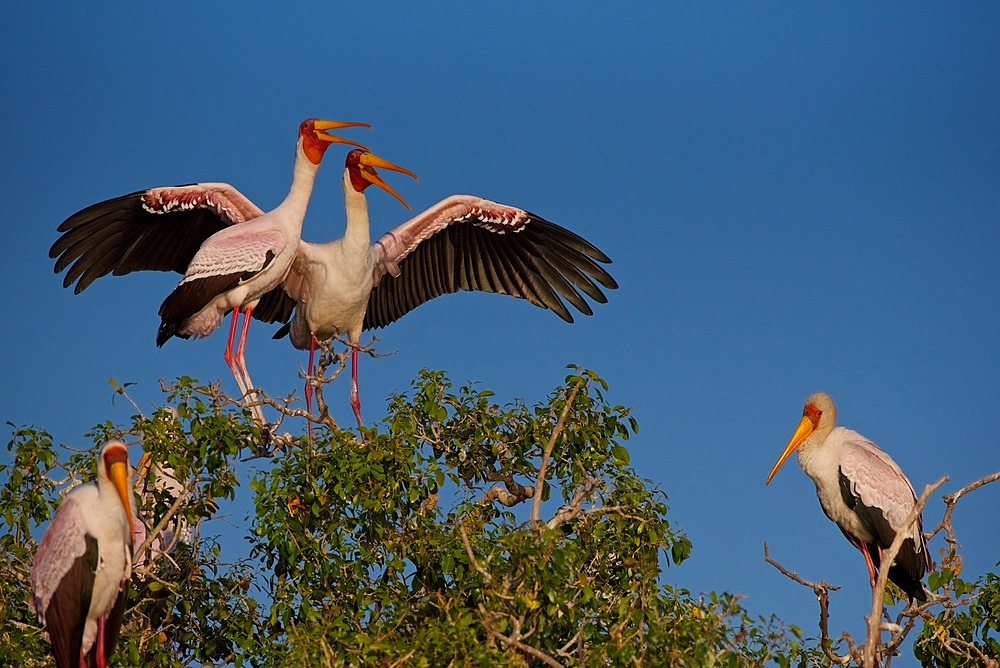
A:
884,493
470,243
158,229
62,544
222,263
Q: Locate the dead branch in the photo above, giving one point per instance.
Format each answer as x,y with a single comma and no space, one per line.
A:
575,506
822,591
506,497
951,499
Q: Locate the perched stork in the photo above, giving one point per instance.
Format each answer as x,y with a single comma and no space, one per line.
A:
461,243
79,580
863,491
193,230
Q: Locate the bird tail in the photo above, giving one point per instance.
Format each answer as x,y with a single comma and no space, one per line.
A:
283,331
167,330
163,334
913,587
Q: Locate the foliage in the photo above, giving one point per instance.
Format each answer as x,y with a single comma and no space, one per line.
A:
963,637
460,533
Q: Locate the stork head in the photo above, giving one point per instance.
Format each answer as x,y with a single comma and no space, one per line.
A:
114,467
819,413
361,166
316,139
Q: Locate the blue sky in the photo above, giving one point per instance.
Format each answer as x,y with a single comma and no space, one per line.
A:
795,198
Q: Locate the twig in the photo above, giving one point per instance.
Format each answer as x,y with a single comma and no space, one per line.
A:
951,499
536,506
472,557
515,642
822,591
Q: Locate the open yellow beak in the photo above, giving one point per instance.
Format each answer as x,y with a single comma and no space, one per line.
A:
369,161
802,432
118,474
321,127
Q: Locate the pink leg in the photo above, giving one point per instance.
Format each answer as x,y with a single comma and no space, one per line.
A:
241,348
258,412
237,362
101,658
870,564
309,383
228,354
355,399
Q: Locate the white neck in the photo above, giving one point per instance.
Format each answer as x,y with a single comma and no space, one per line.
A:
303,178
356,204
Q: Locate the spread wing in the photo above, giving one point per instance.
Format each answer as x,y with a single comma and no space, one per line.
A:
159,229
469,243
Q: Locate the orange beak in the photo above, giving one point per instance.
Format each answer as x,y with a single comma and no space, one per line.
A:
118,474
321,127
369,161
802,432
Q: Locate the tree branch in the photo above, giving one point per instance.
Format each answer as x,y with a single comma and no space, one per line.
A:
822,591
547,453
472,557
951,499
514,641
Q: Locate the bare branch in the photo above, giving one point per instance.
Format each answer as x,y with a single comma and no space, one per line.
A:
472,557
822,591
951,499
536,506
575,505
507,498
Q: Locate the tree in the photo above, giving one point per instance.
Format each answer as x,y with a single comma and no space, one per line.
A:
460,533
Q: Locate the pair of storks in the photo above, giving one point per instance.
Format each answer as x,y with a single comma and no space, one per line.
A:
235,257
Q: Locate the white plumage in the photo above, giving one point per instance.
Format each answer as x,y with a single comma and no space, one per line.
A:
461,243
80,575
862,490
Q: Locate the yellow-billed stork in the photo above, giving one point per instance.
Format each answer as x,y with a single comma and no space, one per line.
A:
232,254
79,579
863,491
461,243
